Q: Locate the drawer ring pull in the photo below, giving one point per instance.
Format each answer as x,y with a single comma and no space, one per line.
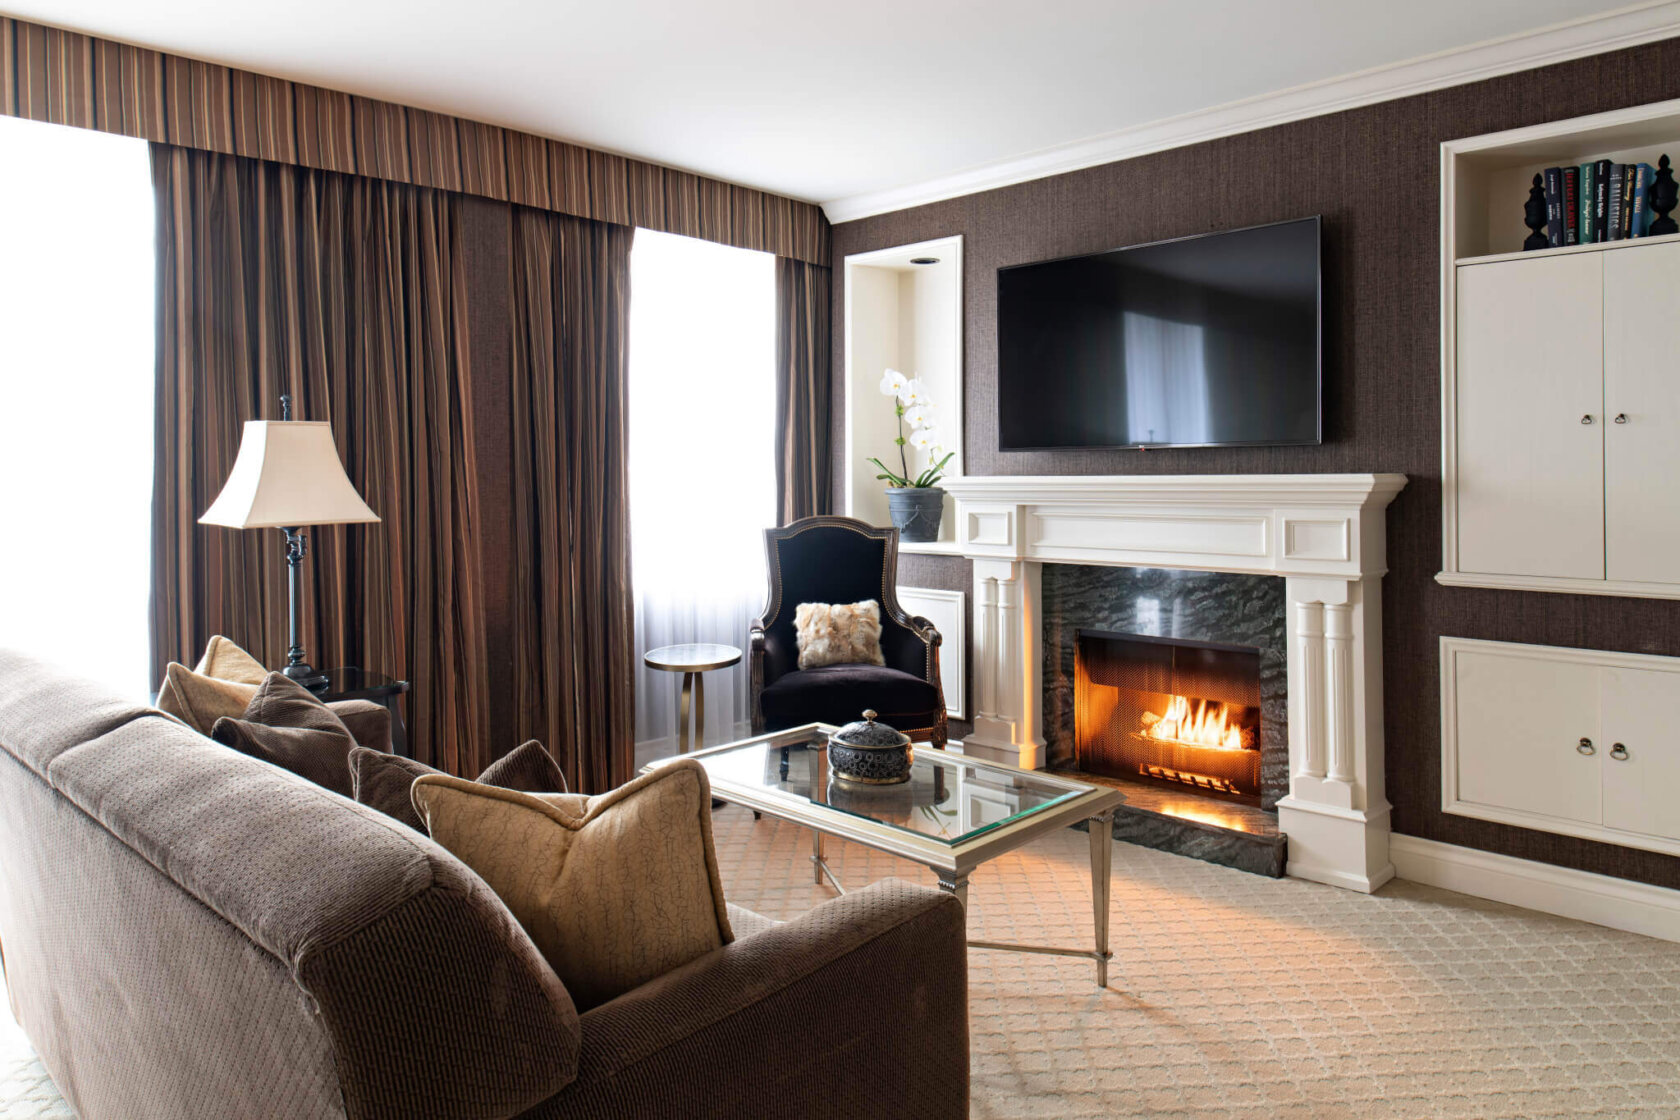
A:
1585,746
1587,419
1619,753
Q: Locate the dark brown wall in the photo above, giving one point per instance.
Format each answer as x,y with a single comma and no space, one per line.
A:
1372,173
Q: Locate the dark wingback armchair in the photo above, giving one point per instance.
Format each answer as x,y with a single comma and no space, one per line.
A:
842,560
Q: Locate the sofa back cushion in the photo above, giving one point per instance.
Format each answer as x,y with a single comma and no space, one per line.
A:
427,995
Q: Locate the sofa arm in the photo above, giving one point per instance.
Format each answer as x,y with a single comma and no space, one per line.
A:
369,723
858,1007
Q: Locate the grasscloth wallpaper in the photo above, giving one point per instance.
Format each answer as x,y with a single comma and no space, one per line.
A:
1372,173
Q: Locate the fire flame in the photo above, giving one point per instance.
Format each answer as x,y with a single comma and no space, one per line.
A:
1204,723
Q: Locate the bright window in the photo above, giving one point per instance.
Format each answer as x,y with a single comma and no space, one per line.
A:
702,475
76,385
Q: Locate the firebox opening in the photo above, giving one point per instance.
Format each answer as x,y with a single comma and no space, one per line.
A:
1167,710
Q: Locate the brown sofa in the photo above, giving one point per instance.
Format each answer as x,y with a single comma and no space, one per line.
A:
190,932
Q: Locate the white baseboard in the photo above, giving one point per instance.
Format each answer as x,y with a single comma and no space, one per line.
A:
1600,899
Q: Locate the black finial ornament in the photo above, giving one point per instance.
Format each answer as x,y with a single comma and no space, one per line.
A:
285,406
1664,196
1534,216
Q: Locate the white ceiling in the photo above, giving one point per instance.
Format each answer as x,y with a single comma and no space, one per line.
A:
823,102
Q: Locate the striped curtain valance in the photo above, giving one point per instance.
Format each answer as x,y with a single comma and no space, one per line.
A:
65,77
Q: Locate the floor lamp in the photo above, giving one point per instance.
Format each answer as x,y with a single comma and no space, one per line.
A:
287,475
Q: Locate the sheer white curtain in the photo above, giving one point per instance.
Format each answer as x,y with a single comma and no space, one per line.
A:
76,307
702,474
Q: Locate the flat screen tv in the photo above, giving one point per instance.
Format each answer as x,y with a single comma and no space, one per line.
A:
1205,341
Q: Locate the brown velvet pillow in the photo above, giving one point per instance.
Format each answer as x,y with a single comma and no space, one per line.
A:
286,725
382,781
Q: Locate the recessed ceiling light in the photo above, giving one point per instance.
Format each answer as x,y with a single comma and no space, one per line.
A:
924,260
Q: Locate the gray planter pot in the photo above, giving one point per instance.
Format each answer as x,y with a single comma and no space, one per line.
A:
916,511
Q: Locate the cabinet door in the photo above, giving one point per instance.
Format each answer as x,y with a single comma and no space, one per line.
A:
1642,401
1529,368
1518,723
1641,791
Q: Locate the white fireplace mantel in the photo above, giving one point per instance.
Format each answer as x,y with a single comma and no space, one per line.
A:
1323,533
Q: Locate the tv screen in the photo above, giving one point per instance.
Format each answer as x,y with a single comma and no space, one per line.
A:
1205,341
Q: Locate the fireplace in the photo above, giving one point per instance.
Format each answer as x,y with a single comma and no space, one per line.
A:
1186,713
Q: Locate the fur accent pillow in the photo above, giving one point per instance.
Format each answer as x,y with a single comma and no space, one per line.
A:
383,781
616,890
838,633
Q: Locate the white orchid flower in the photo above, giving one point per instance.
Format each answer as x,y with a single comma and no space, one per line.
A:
926,439
893,383
912,392
919,415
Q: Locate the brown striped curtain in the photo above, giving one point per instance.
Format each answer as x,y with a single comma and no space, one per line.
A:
573,640
802,389
346,292
65,77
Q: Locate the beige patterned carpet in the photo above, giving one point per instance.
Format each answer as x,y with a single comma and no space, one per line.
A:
1237,996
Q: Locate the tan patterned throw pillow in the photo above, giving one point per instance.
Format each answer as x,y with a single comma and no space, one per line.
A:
615,890
227,662
199,701
838,633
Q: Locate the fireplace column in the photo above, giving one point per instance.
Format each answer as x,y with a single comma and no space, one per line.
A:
1336,816
1007,672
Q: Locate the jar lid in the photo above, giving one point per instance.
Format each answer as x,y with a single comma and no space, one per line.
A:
867,733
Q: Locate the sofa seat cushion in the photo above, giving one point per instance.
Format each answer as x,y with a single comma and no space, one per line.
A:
615,890
286,725
839,694
383,781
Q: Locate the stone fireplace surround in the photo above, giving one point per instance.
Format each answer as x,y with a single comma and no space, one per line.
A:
1324,533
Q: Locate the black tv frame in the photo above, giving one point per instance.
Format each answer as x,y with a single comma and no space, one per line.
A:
1318,363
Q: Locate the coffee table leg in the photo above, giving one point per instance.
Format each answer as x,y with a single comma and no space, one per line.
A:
682,713
955,884
817,858
1102,852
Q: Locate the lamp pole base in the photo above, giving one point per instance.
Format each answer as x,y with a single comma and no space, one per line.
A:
307,676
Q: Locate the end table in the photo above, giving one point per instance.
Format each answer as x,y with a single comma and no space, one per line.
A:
691,660
351,683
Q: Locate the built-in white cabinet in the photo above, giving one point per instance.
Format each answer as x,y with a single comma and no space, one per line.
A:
1642,401
1579,742
1560,398
1530,424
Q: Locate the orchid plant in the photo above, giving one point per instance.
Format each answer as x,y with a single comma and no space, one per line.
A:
911,403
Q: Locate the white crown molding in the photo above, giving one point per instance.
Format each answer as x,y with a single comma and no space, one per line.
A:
1624,27
1601,899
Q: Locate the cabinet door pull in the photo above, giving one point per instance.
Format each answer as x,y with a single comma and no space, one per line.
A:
1585,746
1619,753
1621,418
1587,418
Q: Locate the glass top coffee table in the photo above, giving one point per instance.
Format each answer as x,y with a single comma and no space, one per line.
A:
954,813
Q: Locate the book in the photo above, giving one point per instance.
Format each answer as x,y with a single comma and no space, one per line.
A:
1584,219
1613,222
1629,171
1572,205
1643,174
1601,200
1553,177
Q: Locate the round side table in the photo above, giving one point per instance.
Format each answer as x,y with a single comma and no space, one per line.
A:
691,660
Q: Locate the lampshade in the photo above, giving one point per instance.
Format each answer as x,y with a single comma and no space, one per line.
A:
287,474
